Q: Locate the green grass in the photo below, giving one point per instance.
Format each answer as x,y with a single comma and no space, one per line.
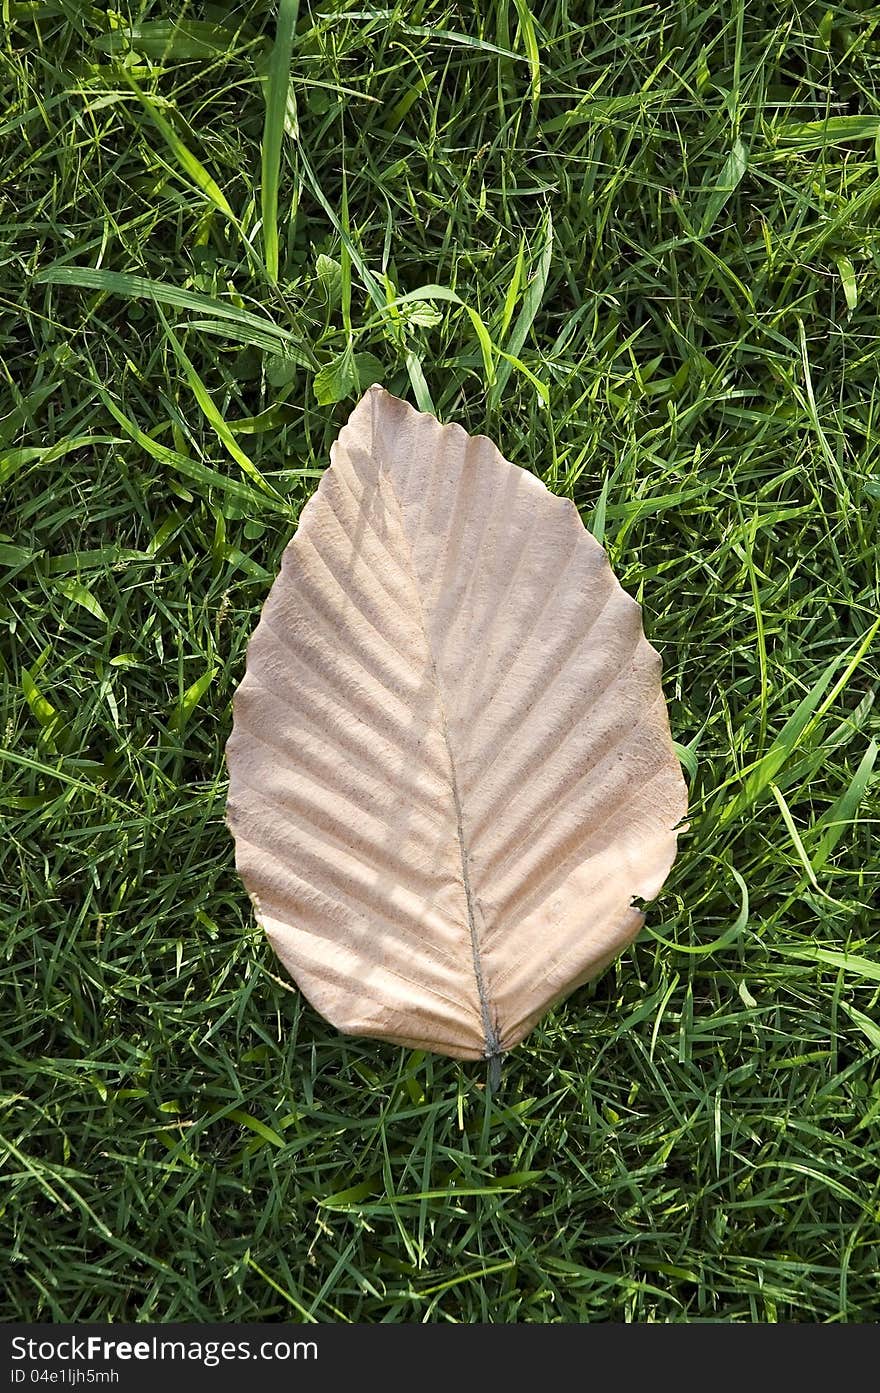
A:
666,216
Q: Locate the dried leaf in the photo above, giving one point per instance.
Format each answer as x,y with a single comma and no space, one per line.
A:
451,770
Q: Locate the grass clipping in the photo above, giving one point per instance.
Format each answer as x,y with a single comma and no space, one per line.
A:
451,770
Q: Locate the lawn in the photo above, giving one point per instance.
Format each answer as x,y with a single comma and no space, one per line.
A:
665,215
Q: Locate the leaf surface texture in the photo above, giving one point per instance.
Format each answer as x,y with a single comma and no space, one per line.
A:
451,769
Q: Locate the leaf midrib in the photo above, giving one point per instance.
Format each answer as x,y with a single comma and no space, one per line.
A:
491,1044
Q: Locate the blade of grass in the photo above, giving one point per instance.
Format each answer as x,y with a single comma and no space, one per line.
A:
803,719
840,815
193,469
846,962
215,419
140,288
188,163
528,312
277,86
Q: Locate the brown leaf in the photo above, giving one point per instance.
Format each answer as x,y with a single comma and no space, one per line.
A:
450,767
